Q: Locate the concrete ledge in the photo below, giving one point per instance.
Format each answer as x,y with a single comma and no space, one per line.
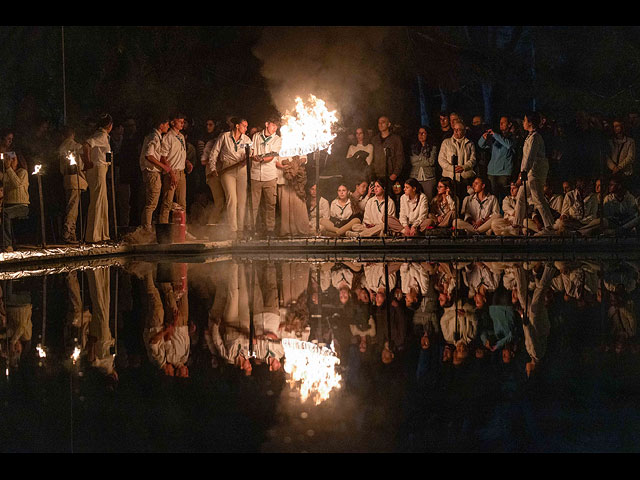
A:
515,247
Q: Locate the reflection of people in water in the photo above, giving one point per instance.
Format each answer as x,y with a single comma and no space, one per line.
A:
78,316
100,340
535,315
174,342
17,329
459,329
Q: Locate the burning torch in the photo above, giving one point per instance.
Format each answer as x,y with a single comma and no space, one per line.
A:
37,171
72,163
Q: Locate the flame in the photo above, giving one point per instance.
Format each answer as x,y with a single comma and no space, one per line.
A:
76,354
41,352
309,129
36,169
72,159
312,368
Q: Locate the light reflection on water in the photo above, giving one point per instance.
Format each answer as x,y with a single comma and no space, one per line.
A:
460,355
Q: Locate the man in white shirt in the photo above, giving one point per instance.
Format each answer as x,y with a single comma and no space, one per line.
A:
264,173
95,151
173,151
152,170
579,208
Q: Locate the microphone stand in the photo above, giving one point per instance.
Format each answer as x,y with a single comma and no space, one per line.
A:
387,155
454,163
247,150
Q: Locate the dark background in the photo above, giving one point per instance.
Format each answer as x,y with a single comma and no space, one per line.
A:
361,71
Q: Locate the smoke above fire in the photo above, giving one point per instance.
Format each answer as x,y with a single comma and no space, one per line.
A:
340,65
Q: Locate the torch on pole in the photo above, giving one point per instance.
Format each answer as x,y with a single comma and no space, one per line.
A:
318,196
37,171
247,151
113,193
72,163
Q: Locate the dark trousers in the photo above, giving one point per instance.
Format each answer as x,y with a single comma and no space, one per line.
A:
9,212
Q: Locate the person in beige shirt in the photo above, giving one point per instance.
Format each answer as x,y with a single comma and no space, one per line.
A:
95,151
74,181
15,180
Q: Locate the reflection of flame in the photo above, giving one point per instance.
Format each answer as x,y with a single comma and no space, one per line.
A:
312,367
36,169
309,129
76,354
72,159
41,352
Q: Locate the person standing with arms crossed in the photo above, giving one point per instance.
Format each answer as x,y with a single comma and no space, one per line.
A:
152,170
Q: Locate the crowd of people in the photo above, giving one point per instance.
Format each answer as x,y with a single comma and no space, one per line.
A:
528,176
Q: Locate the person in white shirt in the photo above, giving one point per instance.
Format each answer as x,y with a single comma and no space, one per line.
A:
228,160
622,151
478,210
579,208
95,151
535,167
374,213
414,208
460,150
443,208
341,215
173,151
152,170
619,210
264,173
74,181
314,206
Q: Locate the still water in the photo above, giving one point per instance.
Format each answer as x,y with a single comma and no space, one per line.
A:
326,355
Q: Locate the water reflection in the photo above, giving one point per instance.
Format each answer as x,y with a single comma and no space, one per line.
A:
412,355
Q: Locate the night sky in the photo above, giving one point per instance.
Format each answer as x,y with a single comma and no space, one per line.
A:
361,71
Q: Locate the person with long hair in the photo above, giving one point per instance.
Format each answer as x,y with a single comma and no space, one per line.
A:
341,214
443,208
315,206
423,162
374,213
228,161
414,209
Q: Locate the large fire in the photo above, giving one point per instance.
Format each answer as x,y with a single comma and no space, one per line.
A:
308,129
312,368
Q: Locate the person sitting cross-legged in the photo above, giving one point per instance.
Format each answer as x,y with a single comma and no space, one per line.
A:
579,208
478,210
414,209
619,211
374,213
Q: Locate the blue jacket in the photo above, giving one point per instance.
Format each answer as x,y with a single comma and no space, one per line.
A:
502,154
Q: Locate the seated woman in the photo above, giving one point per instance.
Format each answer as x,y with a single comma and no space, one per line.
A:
361,194
443,208
342,218
374,213
478,209
15,180
414,209
314,206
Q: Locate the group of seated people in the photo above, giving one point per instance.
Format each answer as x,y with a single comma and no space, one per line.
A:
359,210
